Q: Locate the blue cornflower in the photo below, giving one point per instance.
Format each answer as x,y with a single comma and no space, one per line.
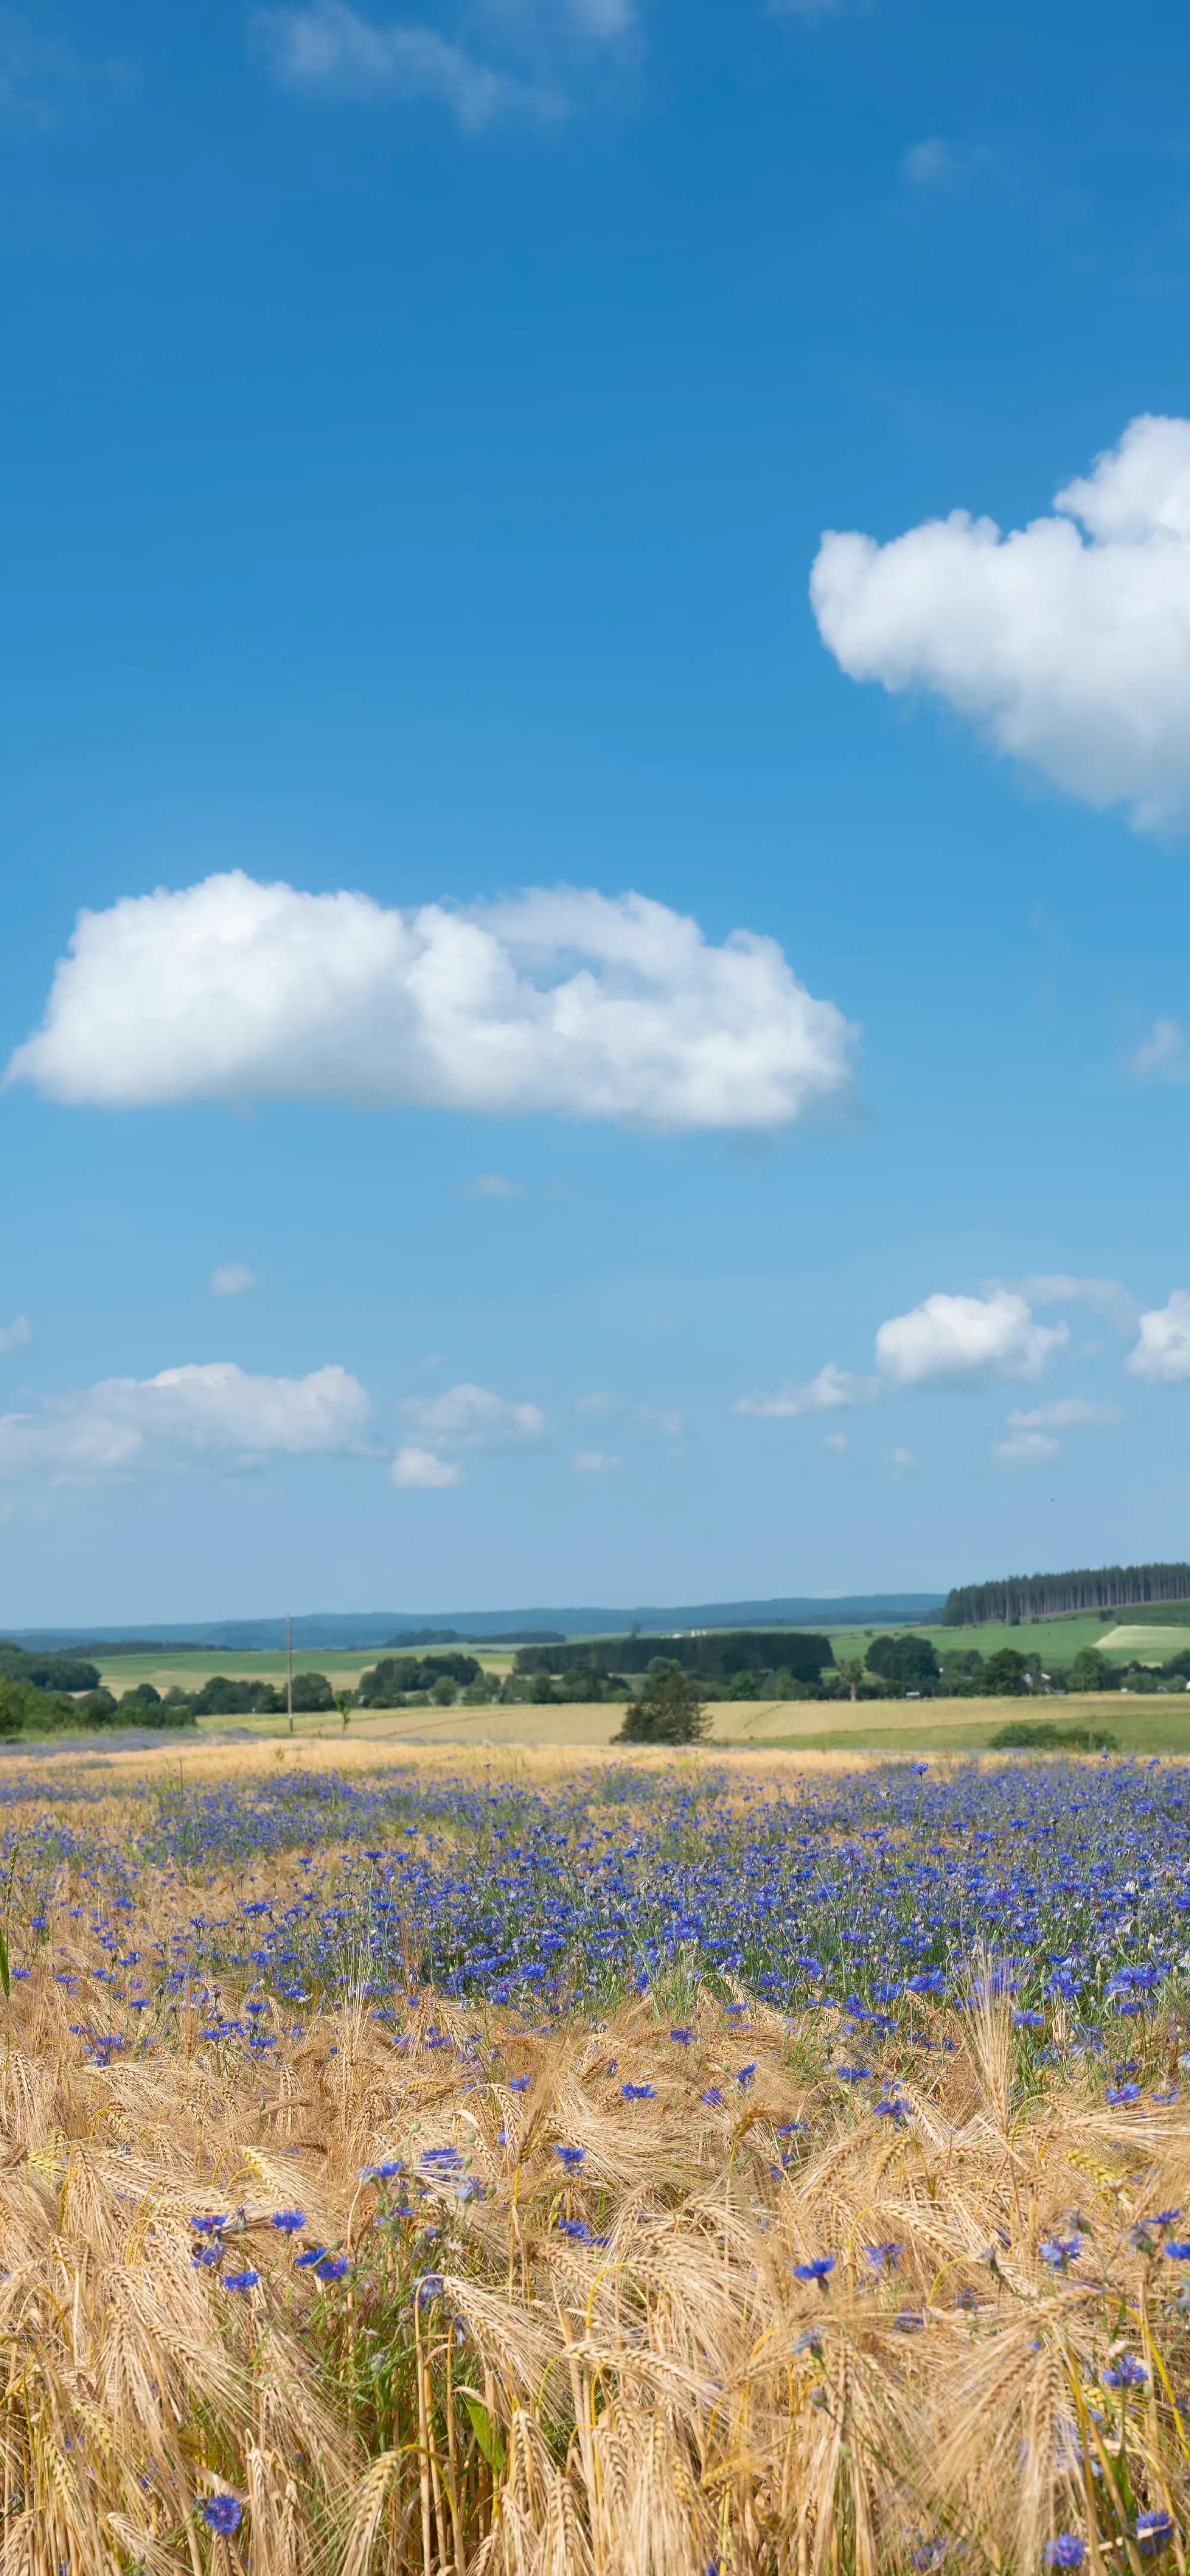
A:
1059,2251
313,2254
570,2156
331,2268
223,2513
1066,2551
889,2252
683,2038
816,2270
639,2092
575,2227
289,2220
210,2226
888,2109
1029,2020
245,2280
430,2288
1121,2093
1178,2248
712,2097
746,2075
854,2074
1125,2372
907,2321
1153,2530
518,2084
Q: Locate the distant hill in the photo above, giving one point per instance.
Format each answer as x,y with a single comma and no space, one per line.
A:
365,1629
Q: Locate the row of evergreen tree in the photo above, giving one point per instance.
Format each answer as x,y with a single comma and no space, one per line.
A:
1050,1596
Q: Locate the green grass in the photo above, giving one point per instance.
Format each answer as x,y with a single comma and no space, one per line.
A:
1056,1639
1139,1726
183,1667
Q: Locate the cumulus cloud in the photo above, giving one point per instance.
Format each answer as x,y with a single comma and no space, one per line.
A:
508,58
424,1469
957,1338
492,1185
16,1336
1164,1055
471,1417
593,1462
576,1003
212,1409
233,1279
1162,1353
1030,1441
831,1388
1067,642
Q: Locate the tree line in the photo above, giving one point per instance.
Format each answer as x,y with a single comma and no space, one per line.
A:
719,1656
1051,1596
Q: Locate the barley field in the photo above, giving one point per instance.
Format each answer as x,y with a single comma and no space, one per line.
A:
546,2162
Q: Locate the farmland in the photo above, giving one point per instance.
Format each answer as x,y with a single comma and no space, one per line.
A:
509,2161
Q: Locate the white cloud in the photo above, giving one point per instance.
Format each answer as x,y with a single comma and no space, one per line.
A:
832,1387
834,1440
16,1336
492,1185
471,1417
593,1462
966,1337
927,164
509,57
1069,1413
1164,1055
575,1003
1162,1353
213,1409
902,1461
1067,641
1103,1296
1026,1448
233,1279
424,1469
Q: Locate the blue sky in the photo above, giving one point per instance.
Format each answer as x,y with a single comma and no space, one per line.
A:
422,426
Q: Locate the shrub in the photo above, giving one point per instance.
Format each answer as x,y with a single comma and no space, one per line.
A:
669,1710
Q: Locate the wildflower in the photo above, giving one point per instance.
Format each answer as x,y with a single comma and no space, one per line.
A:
907,2321
331,2268
889,2252
1029,2020
570,2156
575,2227
289,2220
223,2513
682,2038
816,2270
518,2084
209,2226
712,2097
889,2110
245,2280
639,2092
1178,2248
1066,2550
1125,2372
313,2254
429,2288
383,2172
1118,2094
1059,2251
746,2074
854,2074
1153,2530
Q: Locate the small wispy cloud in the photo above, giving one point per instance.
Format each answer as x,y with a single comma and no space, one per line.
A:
1030,1439
593,1462
492,1185
43,77
1026,1448
836,1440
1164,1055
902,1462
507,58
831,1388
233,1279
16,1336
472,1417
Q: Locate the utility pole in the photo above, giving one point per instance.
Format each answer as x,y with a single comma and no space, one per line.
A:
289,1671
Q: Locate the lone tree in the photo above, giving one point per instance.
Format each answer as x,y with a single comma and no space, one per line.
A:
669,1710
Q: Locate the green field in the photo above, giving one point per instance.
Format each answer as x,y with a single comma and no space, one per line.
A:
186,1670
1060,1639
